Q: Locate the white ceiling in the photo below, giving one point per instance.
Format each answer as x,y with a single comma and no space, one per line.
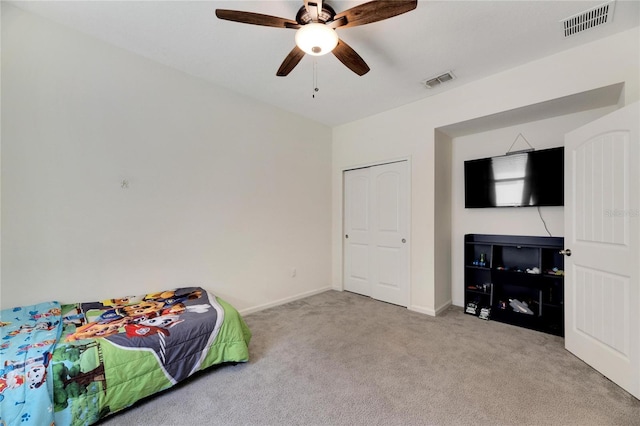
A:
473,39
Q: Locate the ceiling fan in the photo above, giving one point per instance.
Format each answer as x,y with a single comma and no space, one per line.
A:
316,23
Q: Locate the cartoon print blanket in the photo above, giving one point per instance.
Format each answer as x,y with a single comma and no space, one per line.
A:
27,337
77,363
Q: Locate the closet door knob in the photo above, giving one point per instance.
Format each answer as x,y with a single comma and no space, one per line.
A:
404,241
565,252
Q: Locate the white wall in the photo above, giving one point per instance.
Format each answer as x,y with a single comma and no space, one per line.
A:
443,152
409,131
540,134
223,192
0,161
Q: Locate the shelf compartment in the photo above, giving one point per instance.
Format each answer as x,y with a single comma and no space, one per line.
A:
553,292
551,258
504,294
475,276
525,277
476,252
516,258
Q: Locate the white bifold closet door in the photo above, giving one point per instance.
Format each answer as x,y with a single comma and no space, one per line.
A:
376,232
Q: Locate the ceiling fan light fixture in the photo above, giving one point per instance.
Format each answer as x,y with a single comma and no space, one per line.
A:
316,39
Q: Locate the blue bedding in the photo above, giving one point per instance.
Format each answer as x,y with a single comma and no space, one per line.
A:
28,335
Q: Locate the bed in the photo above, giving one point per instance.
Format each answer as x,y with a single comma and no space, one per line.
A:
74,364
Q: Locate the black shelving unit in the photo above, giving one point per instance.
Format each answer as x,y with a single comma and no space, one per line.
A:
519,278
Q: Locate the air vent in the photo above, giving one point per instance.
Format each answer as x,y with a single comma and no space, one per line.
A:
588,19
430,83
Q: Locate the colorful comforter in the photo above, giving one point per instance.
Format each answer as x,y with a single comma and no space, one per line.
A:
107,355
28,335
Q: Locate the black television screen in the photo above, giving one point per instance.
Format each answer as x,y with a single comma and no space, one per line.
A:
527,179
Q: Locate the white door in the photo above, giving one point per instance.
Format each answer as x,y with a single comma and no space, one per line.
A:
602,215
376,222
357,226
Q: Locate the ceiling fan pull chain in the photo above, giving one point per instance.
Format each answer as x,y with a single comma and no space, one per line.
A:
315,78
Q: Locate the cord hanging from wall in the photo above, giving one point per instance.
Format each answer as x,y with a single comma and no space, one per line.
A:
520,135
543,222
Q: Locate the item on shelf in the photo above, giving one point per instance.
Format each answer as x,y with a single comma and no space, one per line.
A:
482,261
485,313
485,288
535,270
555,271
472,308
520,307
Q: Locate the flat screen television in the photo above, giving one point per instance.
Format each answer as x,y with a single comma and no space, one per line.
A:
525,179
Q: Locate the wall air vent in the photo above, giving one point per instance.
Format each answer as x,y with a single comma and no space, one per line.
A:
430,83
588,19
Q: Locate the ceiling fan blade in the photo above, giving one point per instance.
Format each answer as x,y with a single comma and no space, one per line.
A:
374,11
337,23
290,62
255,19
350,58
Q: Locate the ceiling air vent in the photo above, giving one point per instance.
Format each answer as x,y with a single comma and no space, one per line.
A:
436,81
593,17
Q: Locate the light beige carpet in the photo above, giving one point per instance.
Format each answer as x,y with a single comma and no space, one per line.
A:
342,359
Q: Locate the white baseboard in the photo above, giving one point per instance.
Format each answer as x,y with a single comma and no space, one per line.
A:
422,310
415,308
429,311
253,309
